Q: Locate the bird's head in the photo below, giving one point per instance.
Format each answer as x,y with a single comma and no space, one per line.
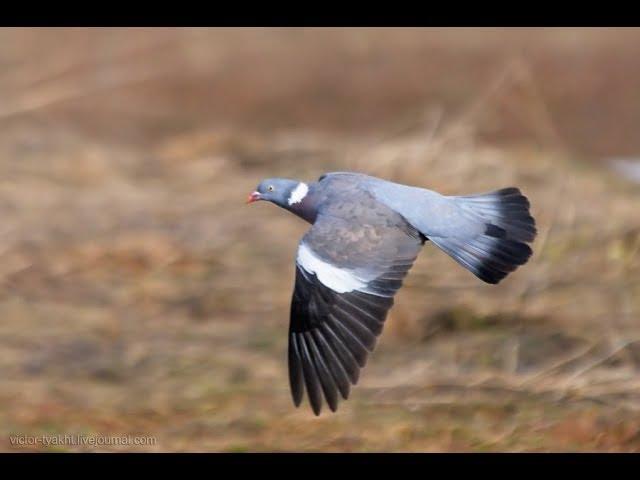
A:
281,191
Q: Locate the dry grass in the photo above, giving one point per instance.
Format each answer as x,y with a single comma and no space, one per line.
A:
140,295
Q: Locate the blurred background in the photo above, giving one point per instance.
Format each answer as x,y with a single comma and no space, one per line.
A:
139,295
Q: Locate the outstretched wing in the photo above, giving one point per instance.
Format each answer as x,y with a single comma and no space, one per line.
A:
348,269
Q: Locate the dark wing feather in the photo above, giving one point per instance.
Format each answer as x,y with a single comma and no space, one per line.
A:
332,332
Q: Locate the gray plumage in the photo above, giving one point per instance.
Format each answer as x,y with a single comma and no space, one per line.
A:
365,237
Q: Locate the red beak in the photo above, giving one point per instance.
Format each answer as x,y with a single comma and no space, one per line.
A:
253,197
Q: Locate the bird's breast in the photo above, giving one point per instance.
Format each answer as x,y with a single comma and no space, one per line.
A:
307,209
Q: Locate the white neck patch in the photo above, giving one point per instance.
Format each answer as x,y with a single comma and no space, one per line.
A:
298,193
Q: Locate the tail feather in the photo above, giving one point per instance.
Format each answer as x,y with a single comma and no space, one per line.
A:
506,208
500,246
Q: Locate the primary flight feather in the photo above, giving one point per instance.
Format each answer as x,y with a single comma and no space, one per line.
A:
366,233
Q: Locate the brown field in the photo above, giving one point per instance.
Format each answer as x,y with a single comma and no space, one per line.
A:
139,295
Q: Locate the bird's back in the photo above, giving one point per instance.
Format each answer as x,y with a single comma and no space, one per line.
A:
485,233
424,209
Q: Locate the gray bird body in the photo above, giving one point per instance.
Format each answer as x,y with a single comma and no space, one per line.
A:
426,210
366,233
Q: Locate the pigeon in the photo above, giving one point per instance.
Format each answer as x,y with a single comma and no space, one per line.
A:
366,233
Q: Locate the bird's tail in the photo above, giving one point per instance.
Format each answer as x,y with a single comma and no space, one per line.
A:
502,244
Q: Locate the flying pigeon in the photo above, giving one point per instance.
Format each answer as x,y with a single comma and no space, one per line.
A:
366,233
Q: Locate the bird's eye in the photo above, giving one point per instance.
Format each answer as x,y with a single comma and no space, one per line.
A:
270,188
